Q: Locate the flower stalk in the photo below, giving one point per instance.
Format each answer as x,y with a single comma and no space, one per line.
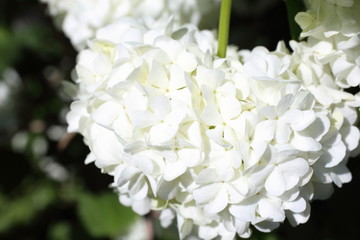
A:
224,25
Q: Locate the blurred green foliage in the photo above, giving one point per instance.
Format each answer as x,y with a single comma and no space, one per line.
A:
17,211
8,48
46,190
104,211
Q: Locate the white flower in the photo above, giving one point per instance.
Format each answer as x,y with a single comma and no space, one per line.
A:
80,19
309,65
337,23
213,143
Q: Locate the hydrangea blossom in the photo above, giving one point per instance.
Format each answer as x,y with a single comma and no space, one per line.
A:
303,65
337,24
81,18
214,143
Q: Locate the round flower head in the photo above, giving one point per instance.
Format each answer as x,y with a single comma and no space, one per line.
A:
305,65
337,23
213,143
81,18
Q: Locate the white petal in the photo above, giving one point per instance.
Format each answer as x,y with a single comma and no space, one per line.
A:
266,226
217,135
138,189
304,121
206,193
351,136
184,226
285,152
141,207
341,65
177,78
167,190
265,130
271,209
318,128
123,128
107,149
161,106
341,175
166,217
174,170
206,176
268,112
102,65
333,155
210,115
296,167
207,232
210,77
297,206
275,183
305,143
284,104
177,115
227,90
241,186
143,163
190,157
244,211
353,78
219,203
291,116
283,132
229,108
298,218
143,119
126,175
157,76
106,113
90,158
161,134
187,61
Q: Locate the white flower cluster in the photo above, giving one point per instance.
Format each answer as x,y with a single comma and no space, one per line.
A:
326,64
218,144
301,66
333,26
80,19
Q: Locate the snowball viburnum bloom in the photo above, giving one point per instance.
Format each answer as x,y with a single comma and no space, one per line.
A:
80,19
217,144
336,22
305,65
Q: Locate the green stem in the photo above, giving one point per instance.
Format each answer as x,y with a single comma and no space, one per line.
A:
224,25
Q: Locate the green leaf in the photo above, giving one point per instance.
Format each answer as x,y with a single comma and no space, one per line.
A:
25,207
8,49
103,215
293,7
60,231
